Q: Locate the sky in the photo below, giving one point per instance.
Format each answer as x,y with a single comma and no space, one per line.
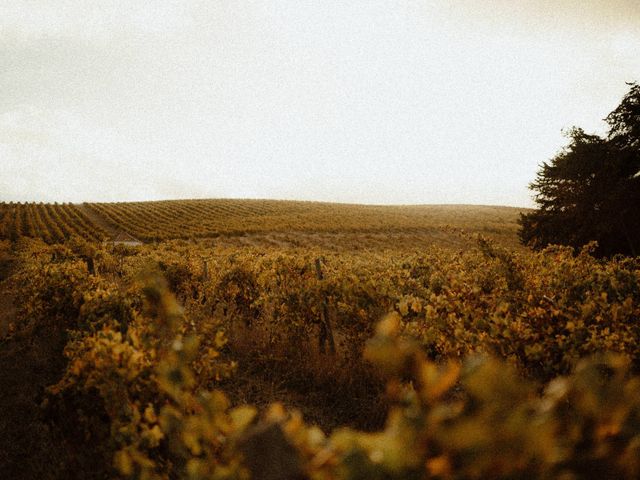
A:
379,102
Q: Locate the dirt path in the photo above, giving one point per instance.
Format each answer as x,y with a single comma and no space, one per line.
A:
113,232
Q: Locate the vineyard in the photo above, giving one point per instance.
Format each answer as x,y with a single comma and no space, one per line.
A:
286,340
53,223
209,218
194,219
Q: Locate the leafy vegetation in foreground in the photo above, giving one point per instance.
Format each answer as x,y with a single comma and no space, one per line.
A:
496,364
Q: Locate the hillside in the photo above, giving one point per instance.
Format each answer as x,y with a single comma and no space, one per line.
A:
185,219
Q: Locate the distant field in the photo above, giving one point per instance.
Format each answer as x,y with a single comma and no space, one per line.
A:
260,220
53,223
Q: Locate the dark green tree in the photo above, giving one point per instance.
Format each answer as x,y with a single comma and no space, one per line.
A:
624,121
591,189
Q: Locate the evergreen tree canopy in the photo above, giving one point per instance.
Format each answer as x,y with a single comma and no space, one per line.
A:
591,189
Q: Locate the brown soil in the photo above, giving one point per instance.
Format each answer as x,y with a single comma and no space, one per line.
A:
98,220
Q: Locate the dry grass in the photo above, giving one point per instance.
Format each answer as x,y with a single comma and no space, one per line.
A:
332,390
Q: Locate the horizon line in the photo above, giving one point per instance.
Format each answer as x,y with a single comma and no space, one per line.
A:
275,200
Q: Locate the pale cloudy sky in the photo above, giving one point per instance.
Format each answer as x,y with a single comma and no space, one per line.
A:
434,101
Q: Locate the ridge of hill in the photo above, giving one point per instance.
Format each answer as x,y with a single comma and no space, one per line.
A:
191,219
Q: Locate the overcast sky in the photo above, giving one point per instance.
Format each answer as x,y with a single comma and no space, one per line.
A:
439,101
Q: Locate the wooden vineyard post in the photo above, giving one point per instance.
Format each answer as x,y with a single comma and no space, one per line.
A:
90,264
205,270
326,333
203,278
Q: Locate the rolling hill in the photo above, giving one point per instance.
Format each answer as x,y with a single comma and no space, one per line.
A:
190,219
